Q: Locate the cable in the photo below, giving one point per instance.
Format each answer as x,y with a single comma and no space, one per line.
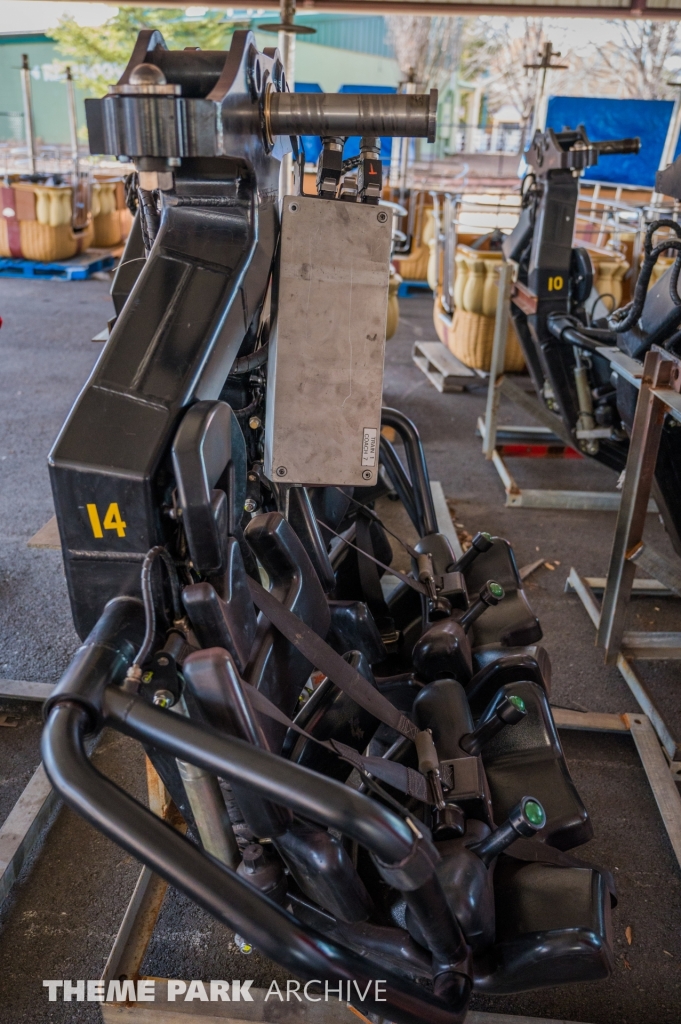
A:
605,295
351,163
674,281
624,319
244,364
148,599
372,515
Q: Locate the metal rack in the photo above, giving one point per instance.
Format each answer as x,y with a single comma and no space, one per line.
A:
551,430
659,384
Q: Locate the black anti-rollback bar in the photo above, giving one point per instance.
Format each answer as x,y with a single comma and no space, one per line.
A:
220,891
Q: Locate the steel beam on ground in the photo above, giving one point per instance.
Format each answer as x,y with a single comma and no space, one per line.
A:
626,669
22,689
22,827
517,497
640,588
444,519
661,782
24,822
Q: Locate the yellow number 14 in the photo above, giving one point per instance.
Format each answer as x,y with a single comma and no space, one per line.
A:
112,520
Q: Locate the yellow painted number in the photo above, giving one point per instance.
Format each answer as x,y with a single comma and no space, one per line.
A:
556,283
112,520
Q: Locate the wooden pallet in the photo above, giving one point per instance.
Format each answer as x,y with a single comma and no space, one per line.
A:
447,373
409,288
79,268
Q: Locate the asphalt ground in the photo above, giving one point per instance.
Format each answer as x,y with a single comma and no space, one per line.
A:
62,915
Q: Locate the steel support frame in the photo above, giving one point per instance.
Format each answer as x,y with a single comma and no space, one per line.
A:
657,383
499,384
656,398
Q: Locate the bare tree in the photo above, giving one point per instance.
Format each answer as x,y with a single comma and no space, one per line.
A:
511,81
636,62
428,50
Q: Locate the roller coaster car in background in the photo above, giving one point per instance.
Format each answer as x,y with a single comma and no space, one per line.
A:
565,353
406,818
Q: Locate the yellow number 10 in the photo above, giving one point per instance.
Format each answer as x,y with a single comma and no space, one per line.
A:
112,520
556,283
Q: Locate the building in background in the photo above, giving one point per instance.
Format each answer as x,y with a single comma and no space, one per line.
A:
346,51
48,88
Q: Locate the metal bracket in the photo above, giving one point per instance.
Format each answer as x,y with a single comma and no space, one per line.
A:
498,385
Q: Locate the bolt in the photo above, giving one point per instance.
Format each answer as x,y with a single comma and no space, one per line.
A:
293,207
250,505
162,660
367,474
163,699
254,422
251,855
281,471
242,945
252,477
382,217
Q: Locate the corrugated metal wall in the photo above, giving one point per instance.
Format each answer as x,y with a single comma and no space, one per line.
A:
361,34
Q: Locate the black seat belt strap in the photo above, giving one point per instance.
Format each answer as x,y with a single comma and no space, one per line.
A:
326,660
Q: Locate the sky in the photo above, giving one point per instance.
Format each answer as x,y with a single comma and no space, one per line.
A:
38,15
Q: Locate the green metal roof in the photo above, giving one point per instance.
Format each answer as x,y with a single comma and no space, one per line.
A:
15,39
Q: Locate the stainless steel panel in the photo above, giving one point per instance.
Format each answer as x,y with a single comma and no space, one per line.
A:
327,347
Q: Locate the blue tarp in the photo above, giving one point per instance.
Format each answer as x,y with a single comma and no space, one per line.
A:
313,146
617,119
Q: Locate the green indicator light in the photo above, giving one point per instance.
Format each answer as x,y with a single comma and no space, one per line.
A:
534,812
496,590
518,702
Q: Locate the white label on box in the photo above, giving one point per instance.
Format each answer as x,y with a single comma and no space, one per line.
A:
369,446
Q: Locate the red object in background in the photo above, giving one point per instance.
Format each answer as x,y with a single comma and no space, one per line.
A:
538,451
0,321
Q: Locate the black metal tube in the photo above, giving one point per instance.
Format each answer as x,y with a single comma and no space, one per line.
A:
574,336
416,460
481,542
345,114
220,891
212,678
399,479
612,147
307,793
438,924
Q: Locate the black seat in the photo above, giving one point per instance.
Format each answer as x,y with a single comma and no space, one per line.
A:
553,926
512,622
527,760
495,665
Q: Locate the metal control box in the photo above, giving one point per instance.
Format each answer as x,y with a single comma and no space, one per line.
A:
327,347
